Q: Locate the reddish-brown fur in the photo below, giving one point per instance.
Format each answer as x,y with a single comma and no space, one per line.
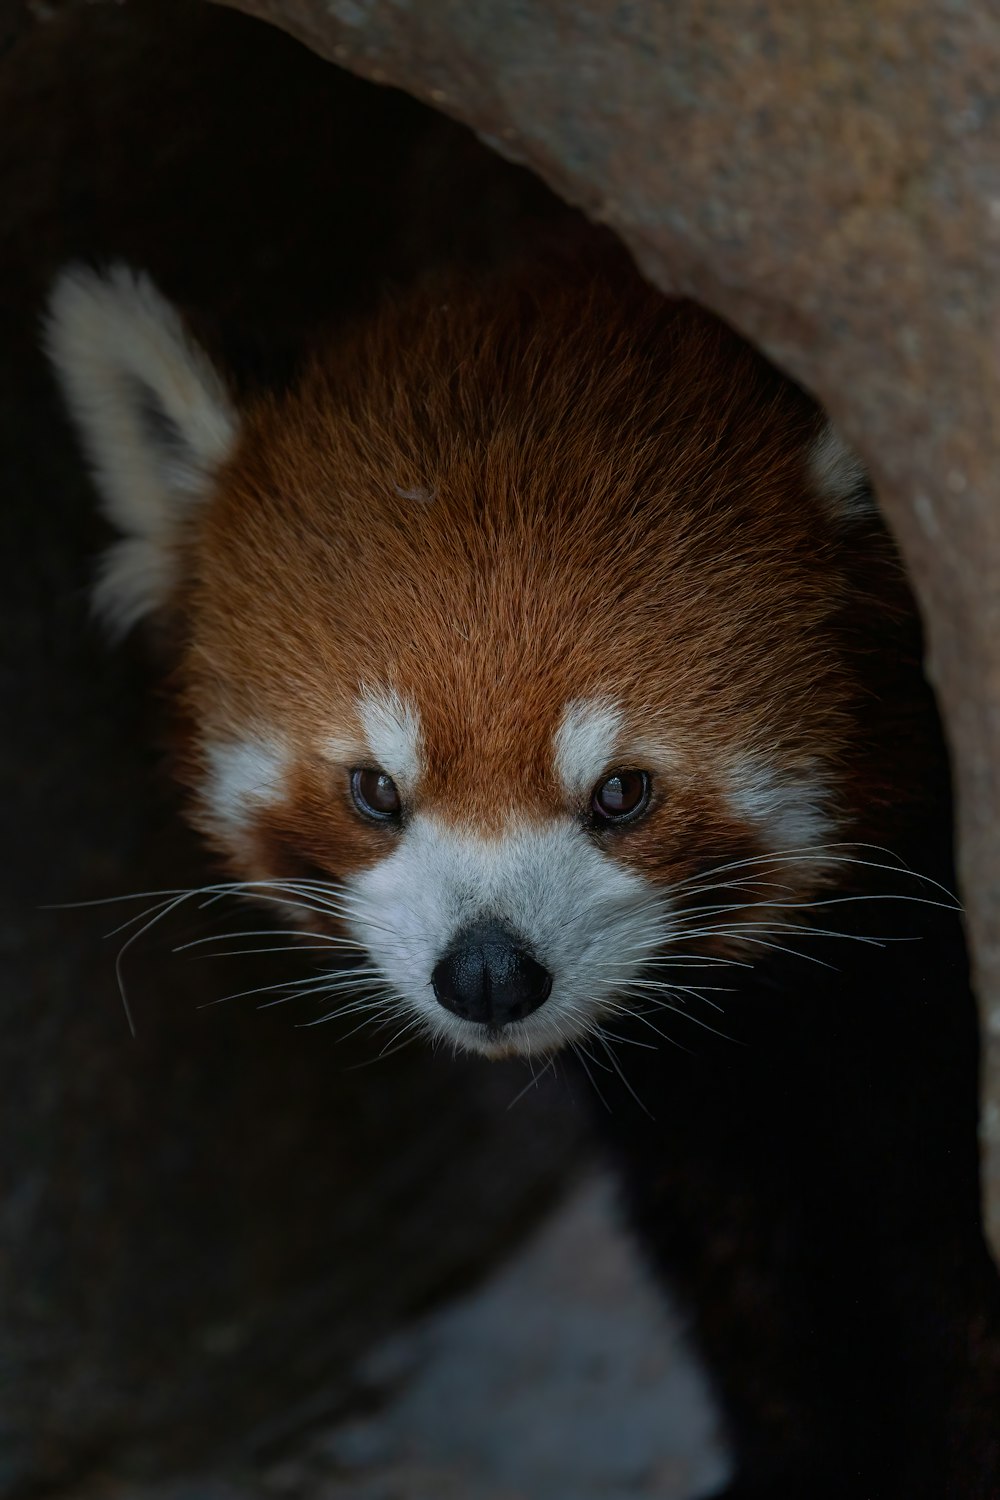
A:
619,507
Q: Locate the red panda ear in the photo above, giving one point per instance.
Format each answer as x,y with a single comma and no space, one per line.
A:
840,477
154,417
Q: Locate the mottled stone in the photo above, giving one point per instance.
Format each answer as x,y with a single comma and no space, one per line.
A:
827,178
565,1376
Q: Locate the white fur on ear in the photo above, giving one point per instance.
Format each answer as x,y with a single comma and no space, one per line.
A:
154,417
840,477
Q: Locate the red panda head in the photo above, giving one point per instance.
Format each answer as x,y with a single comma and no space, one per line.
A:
520,616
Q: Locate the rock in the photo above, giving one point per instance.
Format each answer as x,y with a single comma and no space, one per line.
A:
563,1376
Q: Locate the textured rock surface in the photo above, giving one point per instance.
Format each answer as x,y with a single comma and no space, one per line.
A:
564,1377
827,177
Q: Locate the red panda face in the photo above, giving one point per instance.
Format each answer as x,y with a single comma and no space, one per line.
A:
497,639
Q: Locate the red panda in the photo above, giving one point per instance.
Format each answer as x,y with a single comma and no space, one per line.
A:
542,648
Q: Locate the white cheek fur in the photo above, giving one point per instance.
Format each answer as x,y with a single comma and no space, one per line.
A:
790,810
241,777
591,922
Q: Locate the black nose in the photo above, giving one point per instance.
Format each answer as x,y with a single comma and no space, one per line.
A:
485,976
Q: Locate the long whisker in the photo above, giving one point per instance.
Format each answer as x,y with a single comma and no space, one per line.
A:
578,1050
319,940
134,937
280,948
321,981
663,986
680,1011
623,1041
385,1006
601,1037
376,1002
739,929
532,1082
817,854
360,994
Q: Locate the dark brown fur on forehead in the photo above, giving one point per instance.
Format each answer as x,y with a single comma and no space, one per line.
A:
498,499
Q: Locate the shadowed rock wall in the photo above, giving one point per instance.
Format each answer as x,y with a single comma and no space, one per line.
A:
826,177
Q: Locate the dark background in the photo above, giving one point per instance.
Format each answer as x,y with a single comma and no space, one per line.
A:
202,1227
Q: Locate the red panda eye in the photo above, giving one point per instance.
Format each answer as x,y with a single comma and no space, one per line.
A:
375,794
624,796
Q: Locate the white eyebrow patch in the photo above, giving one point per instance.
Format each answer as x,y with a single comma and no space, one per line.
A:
392,730
790,808
241,776
585,743
342,749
